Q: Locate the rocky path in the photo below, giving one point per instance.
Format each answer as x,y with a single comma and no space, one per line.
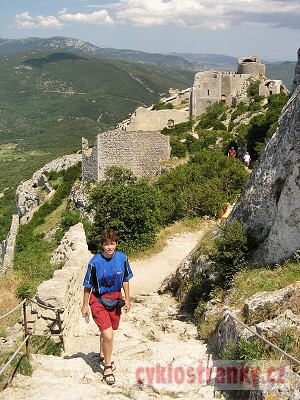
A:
156,350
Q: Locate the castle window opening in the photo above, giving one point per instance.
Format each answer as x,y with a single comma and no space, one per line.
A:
208,93
171,123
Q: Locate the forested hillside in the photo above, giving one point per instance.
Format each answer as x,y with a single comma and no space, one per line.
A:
49,100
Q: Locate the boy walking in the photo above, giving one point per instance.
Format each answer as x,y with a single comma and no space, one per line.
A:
107,273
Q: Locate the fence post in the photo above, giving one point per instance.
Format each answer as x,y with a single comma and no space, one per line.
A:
60,328
26,328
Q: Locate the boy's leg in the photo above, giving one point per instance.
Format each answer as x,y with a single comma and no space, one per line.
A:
106,343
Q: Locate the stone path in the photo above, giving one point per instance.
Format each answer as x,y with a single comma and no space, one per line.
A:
156,350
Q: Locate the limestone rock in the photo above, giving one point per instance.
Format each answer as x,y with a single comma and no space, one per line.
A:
33,192
267,305
296,81
270,203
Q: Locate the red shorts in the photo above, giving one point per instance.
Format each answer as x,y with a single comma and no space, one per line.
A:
102,317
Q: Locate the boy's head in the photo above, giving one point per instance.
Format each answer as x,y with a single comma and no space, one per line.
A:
109,235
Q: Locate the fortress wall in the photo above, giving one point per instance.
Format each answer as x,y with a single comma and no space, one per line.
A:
140,151
206,91
64,290
252,68
144,117
8,245
226,88
89,161
239,85
270,87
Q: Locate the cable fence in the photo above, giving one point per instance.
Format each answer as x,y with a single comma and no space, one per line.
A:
27,334
284,353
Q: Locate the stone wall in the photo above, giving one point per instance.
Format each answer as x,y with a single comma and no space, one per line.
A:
269,87
8,245
65,289
250,65
230,87
210,87
141,151
143,118
32,193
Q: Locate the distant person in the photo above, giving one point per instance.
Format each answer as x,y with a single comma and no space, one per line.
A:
240,153
222,212
107,273
247,159
231,152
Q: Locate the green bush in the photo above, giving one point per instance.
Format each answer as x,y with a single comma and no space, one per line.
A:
201,186
69,219
162,106
243,349
45,345
129,205
253,88
197,295
178,149
231,251
25,289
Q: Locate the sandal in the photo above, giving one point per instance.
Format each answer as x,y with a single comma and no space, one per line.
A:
109,382
113,366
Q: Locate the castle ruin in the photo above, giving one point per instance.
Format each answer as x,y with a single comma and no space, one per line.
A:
231,87
140,151
209,87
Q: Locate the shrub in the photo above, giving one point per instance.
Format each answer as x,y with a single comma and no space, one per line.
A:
231,251
178,149
243,349
25,289
129,205
69,219
162,106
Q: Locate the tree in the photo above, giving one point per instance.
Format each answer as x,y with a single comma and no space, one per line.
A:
127,204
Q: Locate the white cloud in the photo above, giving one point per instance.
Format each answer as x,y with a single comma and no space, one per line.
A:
206,14
25,21
209,14
98,17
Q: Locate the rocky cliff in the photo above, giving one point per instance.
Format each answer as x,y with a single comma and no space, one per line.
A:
270,203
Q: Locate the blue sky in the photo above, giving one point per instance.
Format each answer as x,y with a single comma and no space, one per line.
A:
269,29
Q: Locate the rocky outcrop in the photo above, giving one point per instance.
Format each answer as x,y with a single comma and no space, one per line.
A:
296,81
270,203
32,193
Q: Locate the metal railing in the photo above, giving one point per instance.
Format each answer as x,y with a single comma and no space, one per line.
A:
293,359
27,334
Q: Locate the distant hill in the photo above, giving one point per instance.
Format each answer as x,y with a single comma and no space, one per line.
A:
284,71
58,43
217,62
184,61
49,100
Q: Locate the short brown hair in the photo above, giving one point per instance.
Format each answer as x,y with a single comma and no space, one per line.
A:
109,235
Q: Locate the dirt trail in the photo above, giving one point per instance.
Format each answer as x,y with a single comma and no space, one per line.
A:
156,351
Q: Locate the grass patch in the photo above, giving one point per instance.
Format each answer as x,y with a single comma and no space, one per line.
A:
248,282
52,220
8,300
44,345
20,363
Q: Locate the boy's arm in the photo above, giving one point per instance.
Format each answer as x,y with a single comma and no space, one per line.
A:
127,296
85,307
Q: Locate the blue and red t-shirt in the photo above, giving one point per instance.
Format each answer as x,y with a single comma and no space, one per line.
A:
106,275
